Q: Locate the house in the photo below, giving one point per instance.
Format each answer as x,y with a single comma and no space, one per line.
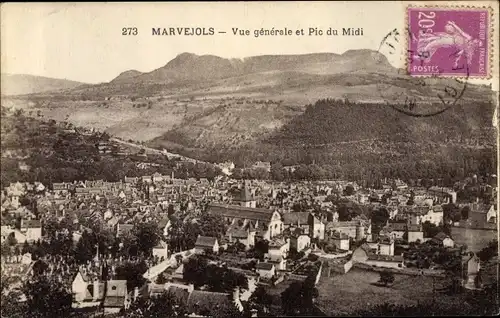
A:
32,229
397,229
317,227
443,239
19,237
388,261
433,215
297,220
471,265
386,246
266,222
357,229
60,188
5,231
244,234
300,241
131,179
341,240
79,286
279,247
146,179
442,194
157,177
116,298
206,242
265,270
278,261
85,289
161,250
415,233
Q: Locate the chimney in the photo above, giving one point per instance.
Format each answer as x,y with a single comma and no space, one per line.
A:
95,290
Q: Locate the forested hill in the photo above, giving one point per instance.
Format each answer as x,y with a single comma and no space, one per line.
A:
331,121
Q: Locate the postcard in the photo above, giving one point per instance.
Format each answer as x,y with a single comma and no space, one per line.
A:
249,159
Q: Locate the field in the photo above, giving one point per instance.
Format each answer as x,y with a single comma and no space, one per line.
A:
345,294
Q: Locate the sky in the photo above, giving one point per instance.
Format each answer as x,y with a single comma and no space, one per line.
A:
83,41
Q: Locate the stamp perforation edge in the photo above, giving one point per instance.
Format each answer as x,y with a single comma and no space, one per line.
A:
491,47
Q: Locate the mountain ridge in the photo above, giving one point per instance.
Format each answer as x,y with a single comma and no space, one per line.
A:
21,84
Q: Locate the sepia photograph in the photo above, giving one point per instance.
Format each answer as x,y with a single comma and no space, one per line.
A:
249,159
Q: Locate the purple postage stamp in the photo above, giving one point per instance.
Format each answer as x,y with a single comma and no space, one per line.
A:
450,42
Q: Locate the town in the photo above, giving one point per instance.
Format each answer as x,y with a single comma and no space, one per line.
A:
162,246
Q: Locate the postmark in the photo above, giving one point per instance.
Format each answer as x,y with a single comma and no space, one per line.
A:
419,96
448,41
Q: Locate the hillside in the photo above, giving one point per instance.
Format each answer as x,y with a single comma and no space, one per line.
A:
20,84
255,109
125,76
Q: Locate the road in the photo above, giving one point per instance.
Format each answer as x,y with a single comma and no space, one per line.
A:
156,151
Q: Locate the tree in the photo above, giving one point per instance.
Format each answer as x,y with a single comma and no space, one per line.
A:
349,190
164,305
147,236
11,240
261,299
386,277
133,273
194,271
85,249
297,299
465,212
212,225
430,229
225,310
46,297
489,251
379,219
161,279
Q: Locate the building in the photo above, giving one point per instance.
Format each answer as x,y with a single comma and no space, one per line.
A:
341,241
297,220
397,230
245,198
471,265
300,242
204,243
386,246
434,215
443,239
355,229
442,195
387,261
116,298
279,247
267,223
244,234
265,270
87,289
32,229
161,250
415,233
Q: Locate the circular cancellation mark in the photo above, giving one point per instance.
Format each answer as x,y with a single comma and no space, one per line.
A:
418,96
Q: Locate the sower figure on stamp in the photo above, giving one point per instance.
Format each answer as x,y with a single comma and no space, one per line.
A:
429,43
